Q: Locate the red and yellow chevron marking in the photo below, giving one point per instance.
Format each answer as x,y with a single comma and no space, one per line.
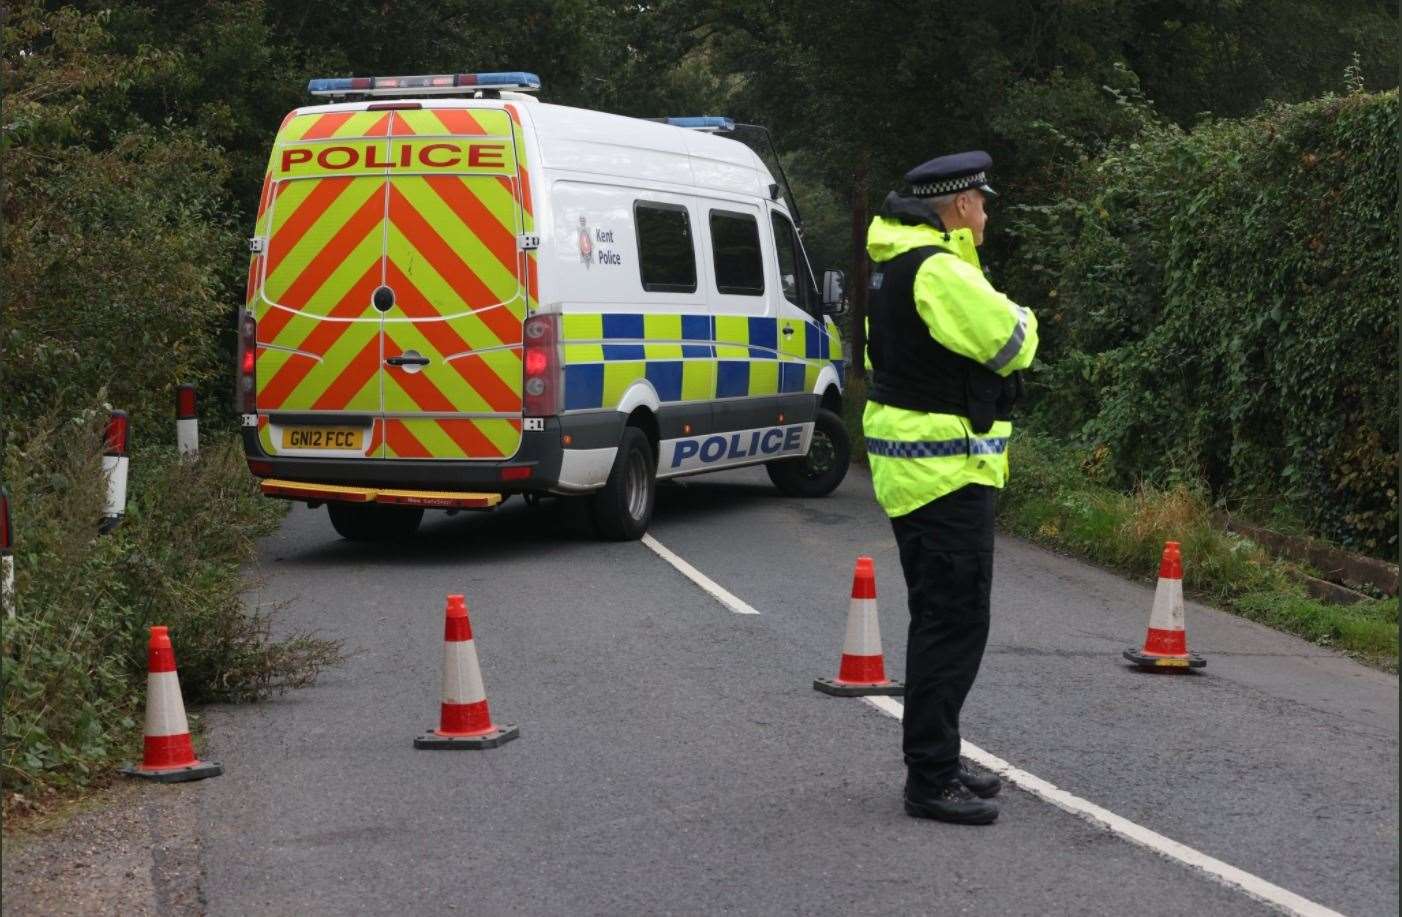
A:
452,122
451,438
442,236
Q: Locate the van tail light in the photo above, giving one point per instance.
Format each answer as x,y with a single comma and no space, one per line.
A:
245,386
540,358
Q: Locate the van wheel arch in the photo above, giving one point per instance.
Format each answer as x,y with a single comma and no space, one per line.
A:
646,421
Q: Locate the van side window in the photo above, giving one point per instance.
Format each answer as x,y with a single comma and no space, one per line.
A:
735,247
793,271
666,256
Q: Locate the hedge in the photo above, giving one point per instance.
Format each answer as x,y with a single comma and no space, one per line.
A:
1220,305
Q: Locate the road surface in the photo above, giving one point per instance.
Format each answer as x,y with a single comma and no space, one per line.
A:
674,758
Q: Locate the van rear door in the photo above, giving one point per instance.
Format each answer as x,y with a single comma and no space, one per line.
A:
322,231
452,340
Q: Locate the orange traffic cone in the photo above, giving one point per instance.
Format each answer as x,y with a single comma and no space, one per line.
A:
464,721
1166,644
169,756
863,668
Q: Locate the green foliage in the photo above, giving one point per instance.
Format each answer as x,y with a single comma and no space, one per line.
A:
1220,304
116,265
74,658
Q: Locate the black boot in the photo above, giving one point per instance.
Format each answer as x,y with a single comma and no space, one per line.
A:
952,803
984,786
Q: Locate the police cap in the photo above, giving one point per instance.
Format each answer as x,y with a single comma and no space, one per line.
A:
951,174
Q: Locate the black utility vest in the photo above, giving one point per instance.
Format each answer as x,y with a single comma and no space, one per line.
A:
911,369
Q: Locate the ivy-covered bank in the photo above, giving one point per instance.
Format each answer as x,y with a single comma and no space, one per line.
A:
1220,305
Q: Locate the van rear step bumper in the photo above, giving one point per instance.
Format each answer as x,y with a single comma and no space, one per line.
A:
327,493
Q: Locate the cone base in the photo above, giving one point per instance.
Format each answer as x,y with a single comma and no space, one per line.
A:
1154,663
857,689
501,734
197,771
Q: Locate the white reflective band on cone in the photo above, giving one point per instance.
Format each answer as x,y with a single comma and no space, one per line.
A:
462,678
863,629
115,468
187,436
165,711
1168,606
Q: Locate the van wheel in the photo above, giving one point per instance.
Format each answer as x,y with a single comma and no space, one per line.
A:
623,508
372,522
818,473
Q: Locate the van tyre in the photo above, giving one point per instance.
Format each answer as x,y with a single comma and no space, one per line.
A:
818,473
373,522
623,509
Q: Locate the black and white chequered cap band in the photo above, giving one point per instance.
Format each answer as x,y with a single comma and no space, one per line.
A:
949,185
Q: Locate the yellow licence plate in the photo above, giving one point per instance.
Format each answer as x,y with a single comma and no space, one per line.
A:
348,438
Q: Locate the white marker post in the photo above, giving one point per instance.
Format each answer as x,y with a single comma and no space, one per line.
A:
114,467
187,424
7,560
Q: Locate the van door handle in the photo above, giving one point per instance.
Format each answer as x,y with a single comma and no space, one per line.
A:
407,361
788,331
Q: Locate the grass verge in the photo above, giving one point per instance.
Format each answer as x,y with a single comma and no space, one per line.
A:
73,667
1053,498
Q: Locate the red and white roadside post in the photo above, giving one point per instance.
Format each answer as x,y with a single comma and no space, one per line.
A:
7,560
114,468
187,424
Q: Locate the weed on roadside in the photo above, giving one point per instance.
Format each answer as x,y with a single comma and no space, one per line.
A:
73,665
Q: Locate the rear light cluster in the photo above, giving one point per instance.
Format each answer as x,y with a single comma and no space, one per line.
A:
246,384
540,357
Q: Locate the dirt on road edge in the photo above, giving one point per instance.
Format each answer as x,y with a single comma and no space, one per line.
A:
130,849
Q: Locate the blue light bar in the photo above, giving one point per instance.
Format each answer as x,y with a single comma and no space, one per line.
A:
712,123
434,84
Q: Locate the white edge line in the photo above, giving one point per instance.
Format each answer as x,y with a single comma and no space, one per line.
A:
696,576
1225,873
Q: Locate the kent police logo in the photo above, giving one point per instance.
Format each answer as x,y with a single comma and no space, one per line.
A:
586,244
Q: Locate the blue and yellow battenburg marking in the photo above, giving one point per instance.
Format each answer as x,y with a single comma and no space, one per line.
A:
692,357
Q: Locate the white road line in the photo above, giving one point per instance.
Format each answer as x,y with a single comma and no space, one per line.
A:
1225,873
1254,886
696,576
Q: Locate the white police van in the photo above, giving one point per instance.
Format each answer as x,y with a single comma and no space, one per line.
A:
458,293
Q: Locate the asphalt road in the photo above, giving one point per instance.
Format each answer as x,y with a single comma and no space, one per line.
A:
674,758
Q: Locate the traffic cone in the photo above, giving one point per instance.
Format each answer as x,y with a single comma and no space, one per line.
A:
169,756
1166,644
863,668
464,721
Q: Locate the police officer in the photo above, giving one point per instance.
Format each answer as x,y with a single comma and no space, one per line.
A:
944,348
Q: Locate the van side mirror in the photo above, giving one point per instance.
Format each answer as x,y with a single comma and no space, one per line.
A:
834,292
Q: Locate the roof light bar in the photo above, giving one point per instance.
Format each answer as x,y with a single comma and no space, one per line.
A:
708,123
434,84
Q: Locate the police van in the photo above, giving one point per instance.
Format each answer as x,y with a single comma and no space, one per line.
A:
458,293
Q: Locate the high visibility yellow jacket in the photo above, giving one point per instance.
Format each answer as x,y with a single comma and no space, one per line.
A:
917,456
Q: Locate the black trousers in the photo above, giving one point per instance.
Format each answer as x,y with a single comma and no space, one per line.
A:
947,555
